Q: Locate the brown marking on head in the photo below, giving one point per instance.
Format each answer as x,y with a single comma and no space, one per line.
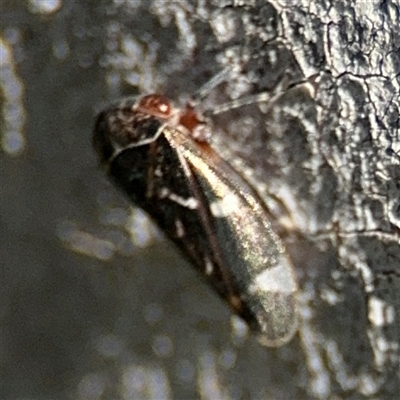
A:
155,104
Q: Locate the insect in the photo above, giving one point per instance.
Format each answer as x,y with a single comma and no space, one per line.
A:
159,156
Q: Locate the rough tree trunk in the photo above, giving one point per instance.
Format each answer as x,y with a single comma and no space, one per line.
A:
86,312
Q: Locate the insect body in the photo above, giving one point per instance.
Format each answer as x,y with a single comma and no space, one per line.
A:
158,156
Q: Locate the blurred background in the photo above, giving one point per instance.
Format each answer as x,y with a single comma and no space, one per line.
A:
95,302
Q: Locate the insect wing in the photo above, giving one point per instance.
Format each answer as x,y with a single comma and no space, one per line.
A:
252,254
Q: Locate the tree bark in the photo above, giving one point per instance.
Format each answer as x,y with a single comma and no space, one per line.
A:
89,313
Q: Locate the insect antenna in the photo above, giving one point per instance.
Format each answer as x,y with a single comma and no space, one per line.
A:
263,97
209,86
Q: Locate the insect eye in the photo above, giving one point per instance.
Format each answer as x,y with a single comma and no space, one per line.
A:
155,104
195,123
189,118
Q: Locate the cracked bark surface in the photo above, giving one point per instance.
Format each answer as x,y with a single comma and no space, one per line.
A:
124,321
